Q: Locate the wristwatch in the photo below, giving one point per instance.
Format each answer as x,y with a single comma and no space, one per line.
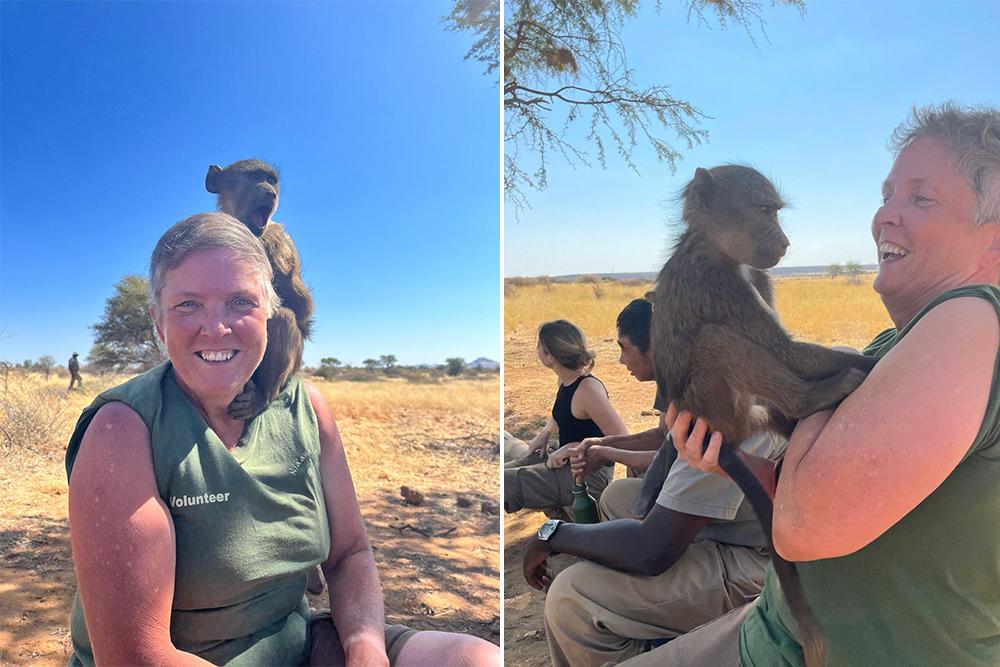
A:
548,529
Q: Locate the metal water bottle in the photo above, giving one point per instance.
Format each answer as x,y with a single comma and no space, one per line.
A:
584,506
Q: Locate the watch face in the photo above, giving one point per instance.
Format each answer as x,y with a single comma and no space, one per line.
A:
549,527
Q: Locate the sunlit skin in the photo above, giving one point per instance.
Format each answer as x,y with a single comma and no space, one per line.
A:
634,360
211,305
927,214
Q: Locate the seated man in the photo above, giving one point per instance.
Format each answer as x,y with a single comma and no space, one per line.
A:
698,554
636,451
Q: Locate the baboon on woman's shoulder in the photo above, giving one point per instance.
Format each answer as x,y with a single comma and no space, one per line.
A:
720,351
248,190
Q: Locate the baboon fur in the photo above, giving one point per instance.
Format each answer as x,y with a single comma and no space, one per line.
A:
249,191
720,351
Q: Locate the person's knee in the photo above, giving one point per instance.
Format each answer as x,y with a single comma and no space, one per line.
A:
447,648
513,497
477,652
556,598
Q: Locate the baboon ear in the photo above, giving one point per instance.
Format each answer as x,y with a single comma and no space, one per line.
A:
650,296
700,189
211,179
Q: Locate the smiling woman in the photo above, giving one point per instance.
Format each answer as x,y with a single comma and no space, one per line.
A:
216,521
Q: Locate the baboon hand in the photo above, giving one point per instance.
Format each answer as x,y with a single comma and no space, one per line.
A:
247,404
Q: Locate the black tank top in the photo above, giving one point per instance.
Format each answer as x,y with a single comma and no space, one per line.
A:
572,429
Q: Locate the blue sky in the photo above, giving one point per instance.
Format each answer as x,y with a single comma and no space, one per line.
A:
388,144
812,106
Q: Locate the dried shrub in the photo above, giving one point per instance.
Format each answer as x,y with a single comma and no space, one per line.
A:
35,417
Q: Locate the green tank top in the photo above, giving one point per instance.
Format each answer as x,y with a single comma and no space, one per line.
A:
249,523
927,591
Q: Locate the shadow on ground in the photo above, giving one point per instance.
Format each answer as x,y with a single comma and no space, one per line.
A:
35,591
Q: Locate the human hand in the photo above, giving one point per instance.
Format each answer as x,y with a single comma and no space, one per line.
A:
593,458
537,444
558,458
688,434
536,564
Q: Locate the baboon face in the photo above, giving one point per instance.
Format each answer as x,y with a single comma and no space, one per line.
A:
737,208
248,190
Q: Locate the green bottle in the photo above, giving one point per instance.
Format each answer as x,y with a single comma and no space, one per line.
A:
584,507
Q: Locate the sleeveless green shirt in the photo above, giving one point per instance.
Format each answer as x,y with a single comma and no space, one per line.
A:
249,523
927,591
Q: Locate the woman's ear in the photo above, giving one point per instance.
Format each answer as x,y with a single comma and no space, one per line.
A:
156,323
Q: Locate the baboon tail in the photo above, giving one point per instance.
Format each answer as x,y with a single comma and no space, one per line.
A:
788,576
652,480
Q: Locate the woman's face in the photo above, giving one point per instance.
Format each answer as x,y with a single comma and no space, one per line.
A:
543,355
212,323
924,231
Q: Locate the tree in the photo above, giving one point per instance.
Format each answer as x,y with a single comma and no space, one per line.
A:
45,364
387,362
370,364
454,365
854,271
328,367
565,64
125,338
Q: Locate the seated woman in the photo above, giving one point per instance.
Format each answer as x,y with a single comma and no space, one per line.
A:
543,480
890,502
193,532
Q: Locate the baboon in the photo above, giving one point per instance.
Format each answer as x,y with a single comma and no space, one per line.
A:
720,351
248,190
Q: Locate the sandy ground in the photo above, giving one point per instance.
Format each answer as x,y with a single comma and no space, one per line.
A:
439,563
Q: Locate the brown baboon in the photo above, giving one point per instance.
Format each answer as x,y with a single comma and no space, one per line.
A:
720,351
248,190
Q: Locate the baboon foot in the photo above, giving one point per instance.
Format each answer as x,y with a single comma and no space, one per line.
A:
314,581
248,404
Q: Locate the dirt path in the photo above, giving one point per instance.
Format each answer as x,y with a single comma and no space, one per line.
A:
447,581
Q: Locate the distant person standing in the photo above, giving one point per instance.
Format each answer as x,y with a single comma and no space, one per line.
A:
74,371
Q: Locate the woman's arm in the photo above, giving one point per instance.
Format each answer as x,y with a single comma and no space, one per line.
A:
851,474
123,544
539,442
355,594
591,402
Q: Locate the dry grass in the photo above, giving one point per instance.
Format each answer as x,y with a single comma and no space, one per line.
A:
831,311
442,439
383,398
823,310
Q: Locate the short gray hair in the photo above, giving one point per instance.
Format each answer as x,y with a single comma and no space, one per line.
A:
973,138
210,230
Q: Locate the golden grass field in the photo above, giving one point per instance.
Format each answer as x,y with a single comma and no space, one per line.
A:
440,438
823,310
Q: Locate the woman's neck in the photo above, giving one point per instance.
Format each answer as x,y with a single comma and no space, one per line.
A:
568,376
216,415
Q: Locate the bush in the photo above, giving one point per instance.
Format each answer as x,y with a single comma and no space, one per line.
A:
33,417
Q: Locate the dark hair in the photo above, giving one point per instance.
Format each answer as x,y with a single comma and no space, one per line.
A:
567,345
634,321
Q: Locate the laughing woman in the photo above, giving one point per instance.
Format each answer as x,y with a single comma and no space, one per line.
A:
193,532
891,502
